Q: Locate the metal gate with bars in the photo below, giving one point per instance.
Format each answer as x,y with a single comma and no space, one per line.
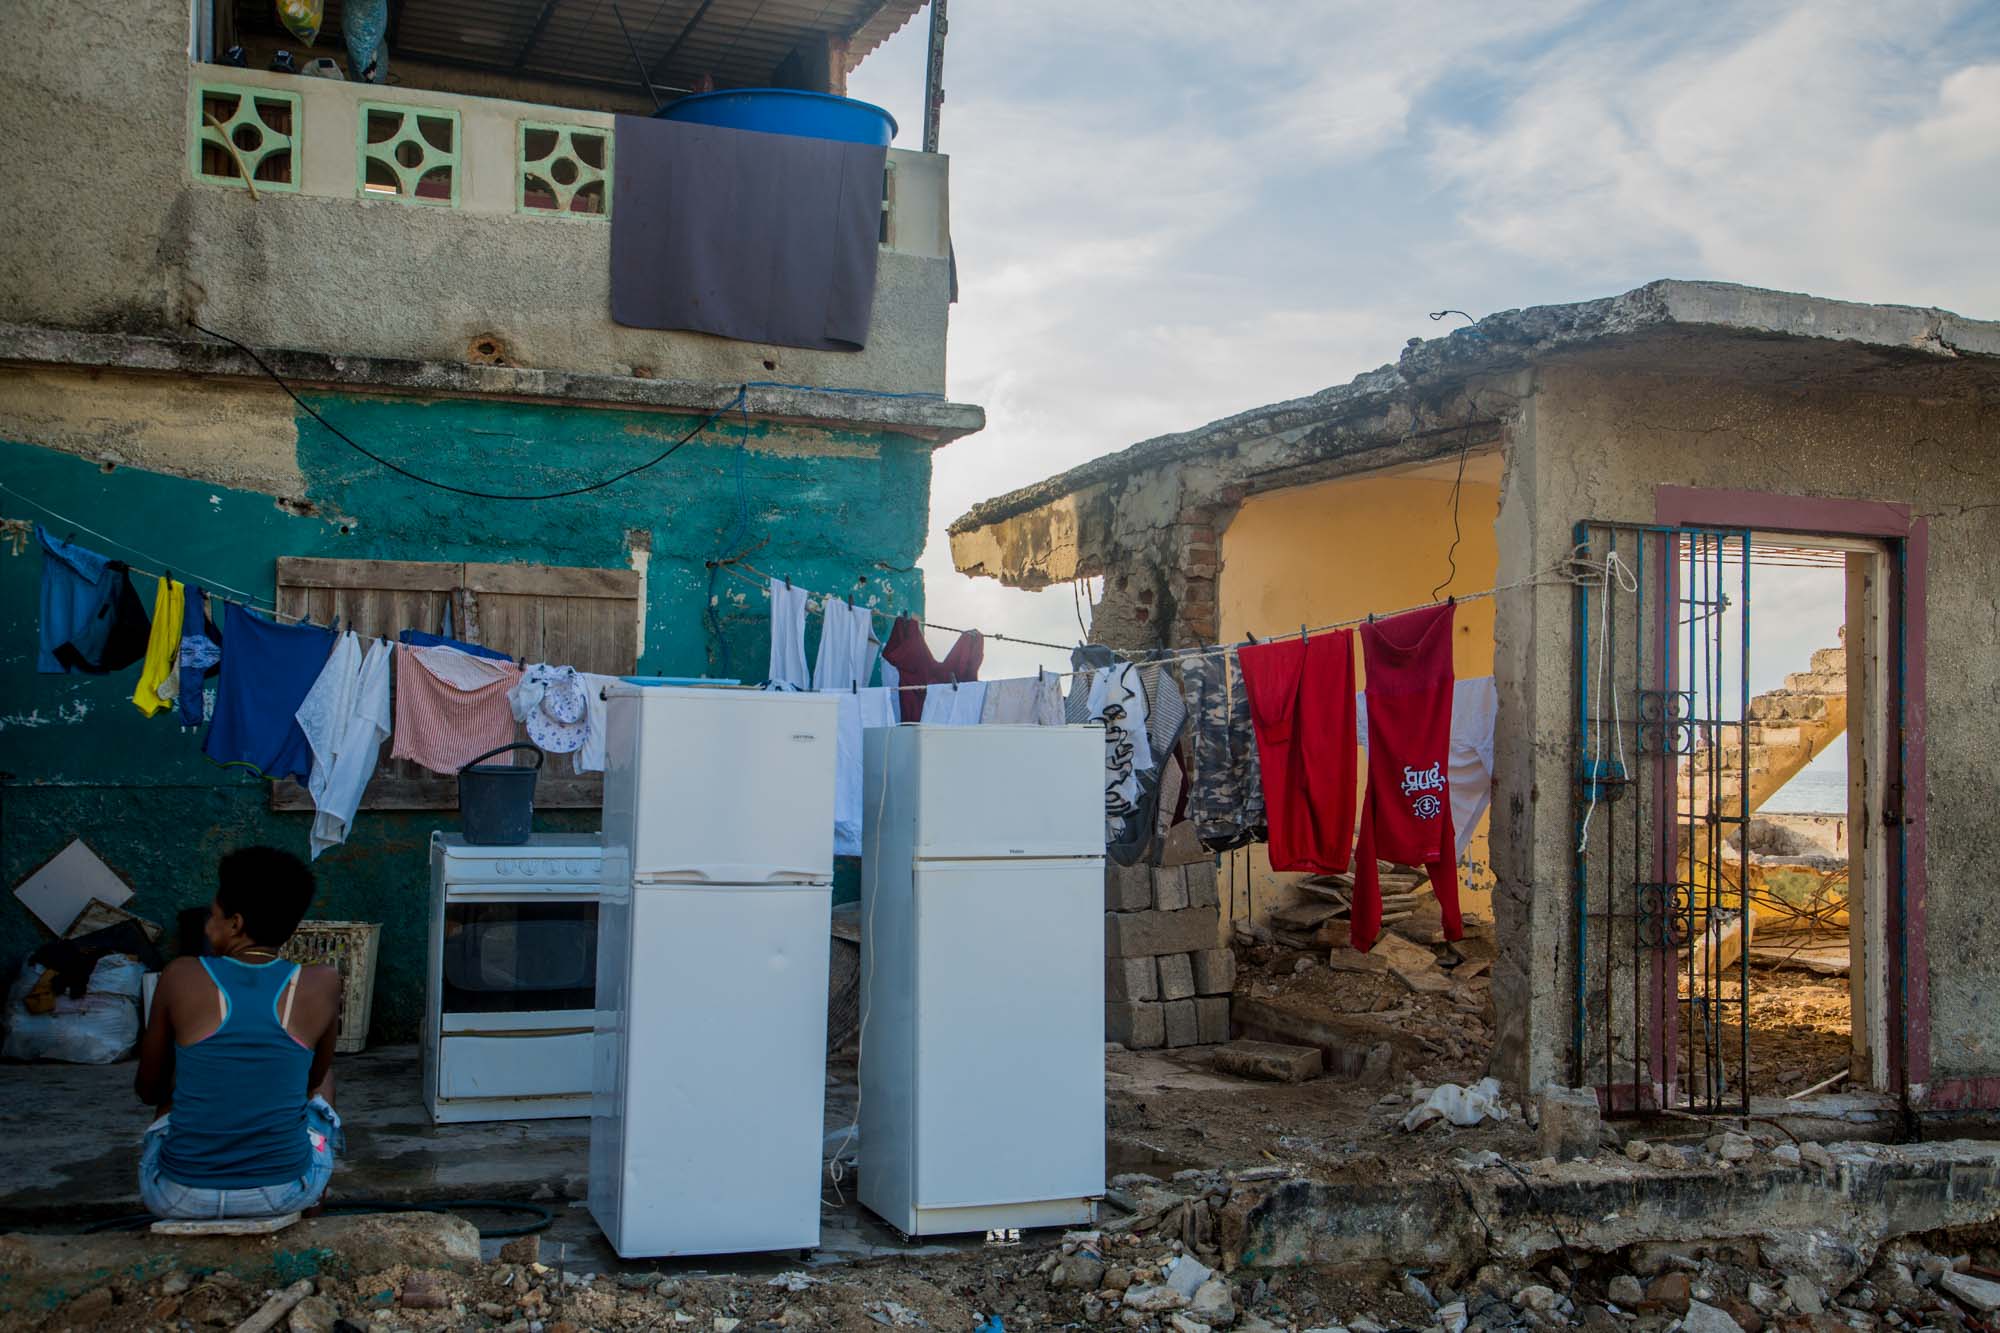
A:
1661,760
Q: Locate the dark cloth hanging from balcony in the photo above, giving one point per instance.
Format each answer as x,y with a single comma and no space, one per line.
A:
767,238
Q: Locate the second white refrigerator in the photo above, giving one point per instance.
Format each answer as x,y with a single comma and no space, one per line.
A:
982,919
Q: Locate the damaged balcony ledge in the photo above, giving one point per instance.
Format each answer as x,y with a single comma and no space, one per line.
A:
916,415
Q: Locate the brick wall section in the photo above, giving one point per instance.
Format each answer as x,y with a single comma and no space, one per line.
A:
1165,982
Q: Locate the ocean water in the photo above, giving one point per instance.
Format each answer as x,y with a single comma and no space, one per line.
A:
1820,788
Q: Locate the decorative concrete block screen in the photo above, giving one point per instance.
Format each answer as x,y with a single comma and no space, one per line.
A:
409,153
563,169
245,129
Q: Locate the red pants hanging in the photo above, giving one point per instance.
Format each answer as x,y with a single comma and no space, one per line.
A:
1406,815
1302,711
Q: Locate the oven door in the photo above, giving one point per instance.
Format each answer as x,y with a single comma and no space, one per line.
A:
517,963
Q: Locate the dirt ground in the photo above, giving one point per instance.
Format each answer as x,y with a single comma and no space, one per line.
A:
1799,1030
1169,1110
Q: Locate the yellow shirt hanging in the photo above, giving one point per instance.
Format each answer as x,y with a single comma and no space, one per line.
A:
162,647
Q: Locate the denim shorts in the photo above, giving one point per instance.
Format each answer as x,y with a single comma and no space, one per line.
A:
167,1198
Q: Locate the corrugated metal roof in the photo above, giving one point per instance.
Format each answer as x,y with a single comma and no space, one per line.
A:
736,42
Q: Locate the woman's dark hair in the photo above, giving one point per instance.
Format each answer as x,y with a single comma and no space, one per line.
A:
270,889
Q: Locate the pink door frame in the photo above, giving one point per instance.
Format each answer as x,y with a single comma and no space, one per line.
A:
1908,536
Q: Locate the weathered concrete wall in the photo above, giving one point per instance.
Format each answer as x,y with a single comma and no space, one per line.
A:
833,506
1342,550
1595,444
98,103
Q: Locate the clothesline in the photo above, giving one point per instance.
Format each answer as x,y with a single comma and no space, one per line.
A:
758,579
242,598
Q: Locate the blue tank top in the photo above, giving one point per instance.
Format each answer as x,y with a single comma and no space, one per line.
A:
239,1118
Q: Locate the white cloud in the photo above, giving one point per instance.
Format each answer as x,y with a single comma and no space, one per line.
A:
1166,212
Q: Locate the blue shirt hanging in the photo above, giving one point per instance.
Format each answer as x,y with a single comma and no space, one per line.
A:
266,674
91,617
201,657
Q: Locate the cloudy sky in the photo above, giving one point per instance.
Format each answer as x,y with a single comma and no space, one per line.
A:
1166,211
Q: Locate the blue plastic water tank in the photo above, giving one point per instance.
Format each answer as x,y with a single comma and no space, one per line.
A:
786,111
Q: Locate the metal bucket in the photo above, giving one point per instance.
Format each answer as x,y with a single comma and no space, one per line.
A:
496,802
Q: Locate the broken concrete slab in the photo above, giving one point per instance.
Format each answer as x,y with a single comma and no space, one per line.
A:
1347,1042
1269,1061
38,1272
1607,1205
1976,1292
1150,934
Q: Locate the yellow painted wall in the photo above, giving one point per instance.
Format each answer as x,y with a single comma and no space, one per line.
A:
1341,550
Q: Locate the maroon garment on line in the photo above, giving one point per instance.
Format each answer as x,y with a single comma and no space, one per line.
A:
1406,815
1302,713
911,656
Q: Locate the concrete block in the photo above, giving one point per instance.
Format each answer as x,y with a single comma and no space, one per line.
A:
1211,1019
1182,1027
1176,977
1570,1122
1170,893
1214,971
1131,979
1139,1025
1201,884
1269,1060
1128,888
1150,934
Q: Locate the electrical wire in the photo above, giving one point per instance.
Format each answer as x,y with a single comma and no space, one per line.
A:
1451,552
742,394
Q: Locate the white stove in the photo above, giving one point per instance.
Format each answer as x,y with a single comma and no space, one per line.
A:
512,991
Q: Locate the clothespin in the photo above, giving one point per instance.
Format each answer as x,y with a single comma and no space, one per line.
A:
854,685
788,583
1302,634
1451,600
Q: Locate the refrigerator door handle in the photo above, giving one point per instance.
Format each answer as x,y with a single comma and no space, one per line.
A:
728,874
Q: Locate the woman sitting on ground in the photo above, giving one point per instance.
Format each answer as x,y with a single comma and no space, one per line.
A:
238,1057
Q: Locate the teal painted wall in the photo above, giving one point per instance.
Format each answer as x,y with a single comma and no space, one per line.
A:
832,509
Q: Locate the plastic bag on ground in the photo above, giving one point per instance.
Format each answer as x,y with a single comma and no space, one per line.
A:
1461,1106
99,1029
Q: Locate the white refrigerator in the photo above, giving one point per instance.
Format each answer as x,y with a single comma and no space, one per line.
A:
982,939
709,1070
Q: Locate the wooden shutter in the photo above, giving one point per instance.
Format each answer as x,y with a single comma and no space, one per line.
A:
585,618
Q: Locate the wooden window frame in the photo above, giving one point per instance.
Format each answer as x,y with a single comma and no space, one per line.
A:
567,615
